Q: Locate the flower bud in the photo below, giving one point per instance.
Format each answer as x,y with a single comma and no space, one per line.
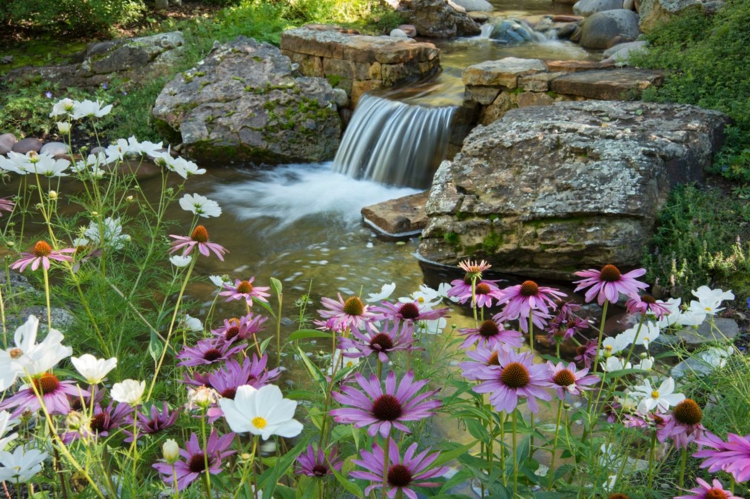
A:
53,195
94,213
202,397
129,199
63,127
171,451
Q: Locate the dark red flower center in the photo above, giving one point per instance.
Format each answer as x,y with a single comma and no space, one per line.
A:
381,342
564,378
76,404
483,289
354,306
197,463
610,273
580,350
493,360
529,288
648,299
200,234
399,476
212,354
244,287
320,470
515,375
41,248
467,280
687,412
231,333
97,422
488,329
658,420
386,408
229,393
46,383
409,311
618,496
716,494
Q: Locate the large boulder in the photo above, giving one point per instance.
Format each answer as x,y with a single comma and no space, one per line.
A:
545,191
475,5
437,18
655,12
245,101
605,29
589,7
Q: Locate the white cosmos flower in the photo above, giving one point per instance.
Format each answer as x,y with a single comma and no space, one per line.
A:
345,363
649,332
673,304
64,106
647,363
92,369
432,327
614,364
21,465
662,398
129,391
219,281
63,127
183,167
5,424
385,292
200,205
50,167
716,357
620,342
89,108
193,323
706,294
427,295
263,412
113,236
692,317
180,261
116,151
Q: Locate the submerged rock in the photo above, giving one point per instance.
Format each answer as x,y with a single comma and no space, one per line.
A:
545,191
398,217
245,102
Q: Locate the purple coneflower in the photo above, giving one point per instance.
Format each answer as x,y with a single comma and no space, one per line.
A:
484,291
240,329
608,283
483,356
194,463
521,299
411,311
646,304
199,238
491,334
380,343
515,377
245,290
569,379
6,205
403,474
315,463
352,313
474,269
706,491
732,456
562,331
586,353
53,391
42,254
382,410
206,352
683,425
153,422
101,423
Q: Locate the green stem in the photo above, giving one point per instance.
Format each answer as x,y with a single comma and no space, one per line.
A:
637,333
174,477
651,458
278,331
531,331
683,461
205,453
554,445
46,293
515,456
601,335
386,464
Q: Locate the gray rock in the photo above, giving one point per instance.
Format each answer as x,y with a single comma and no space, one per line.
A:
722,330
604,29
503,72
27,145
397,33
409,29
475,5
55,149
243,102
589,7
437,18
656,12
620,53
546,191
340,97
7,141
514,31
628,5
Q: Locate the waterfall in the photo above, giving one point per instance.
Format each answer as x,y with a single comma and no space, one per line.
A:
487,29
394,143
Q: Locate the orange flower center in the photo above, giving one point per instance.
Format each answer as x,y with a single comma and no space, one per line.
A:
354,306
200,234
46,383
716,494
529,288
648,299
488,329
493,360
515,375
564,378
610,273
687,412
244,287
41,248
483,289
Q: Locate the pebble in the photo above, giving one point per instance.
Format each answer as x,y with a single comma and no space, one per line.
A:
28,144
7,141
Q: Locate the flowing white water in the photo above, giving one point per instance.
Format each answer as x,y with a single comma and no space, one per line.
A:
393,143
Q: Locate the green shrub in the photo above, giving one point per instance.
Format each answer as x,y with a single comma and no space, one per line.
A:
85,17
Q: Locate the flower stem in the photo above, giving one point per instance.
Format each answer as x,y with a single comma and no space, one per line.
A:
651,458
205,452
531,331
554,445
637,333
278,330
515,456
601,335
176,487
46,293
386,463
683,461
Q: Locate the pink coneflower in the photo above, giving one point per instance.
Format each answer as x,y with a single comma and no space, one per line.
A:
316,464
42,254
245,290
193,464
53,391
485,292
586,353
102,422
608,283
683,426
206,352
515,377
382,410
539,320
6,205
569,379
240,329
409,311
232,375
483,356
522,299
199,238
491,334
706,491
647,304
474,269
403,474
732,456
380,343
153,422
352,313
559,332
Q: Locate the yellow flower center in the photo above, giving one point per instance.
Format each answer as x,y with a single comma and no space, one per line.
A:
15,353
655,394
259,422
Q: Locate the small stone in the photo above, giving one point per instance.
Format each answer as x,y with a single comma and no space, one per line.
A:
7,141
397,33
28,144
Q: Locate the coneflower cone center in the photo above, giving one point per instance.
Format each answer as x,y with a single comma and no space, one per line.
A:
232,332
381,342
564,378
409,311
488,329
399,476
610,273
244,287
386,408
47,383
483,289
229,393
493,360
529,288
580,350
41,249
648,299
197,463
212,354
97,422
515,375
354,306
618,496
200,234
320,470
687,412
716,494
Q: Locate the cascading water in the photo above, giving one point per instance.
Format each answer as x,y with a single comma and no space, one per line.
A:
394,143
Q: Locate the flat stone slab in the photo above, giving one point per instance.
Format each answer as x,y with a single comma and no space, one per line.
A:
573,66
616,84
336,44
723,329
398,217
503,72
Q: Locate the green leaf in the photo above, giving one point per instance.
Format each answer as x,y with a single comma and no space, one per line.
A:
266,306
447,456
268,480
276,286
563,470
303,334
155,347
351,487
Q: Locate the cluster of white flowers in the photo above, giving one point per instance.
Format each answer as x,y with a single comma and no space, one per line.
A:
34,163
77,110
708,303
112,232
